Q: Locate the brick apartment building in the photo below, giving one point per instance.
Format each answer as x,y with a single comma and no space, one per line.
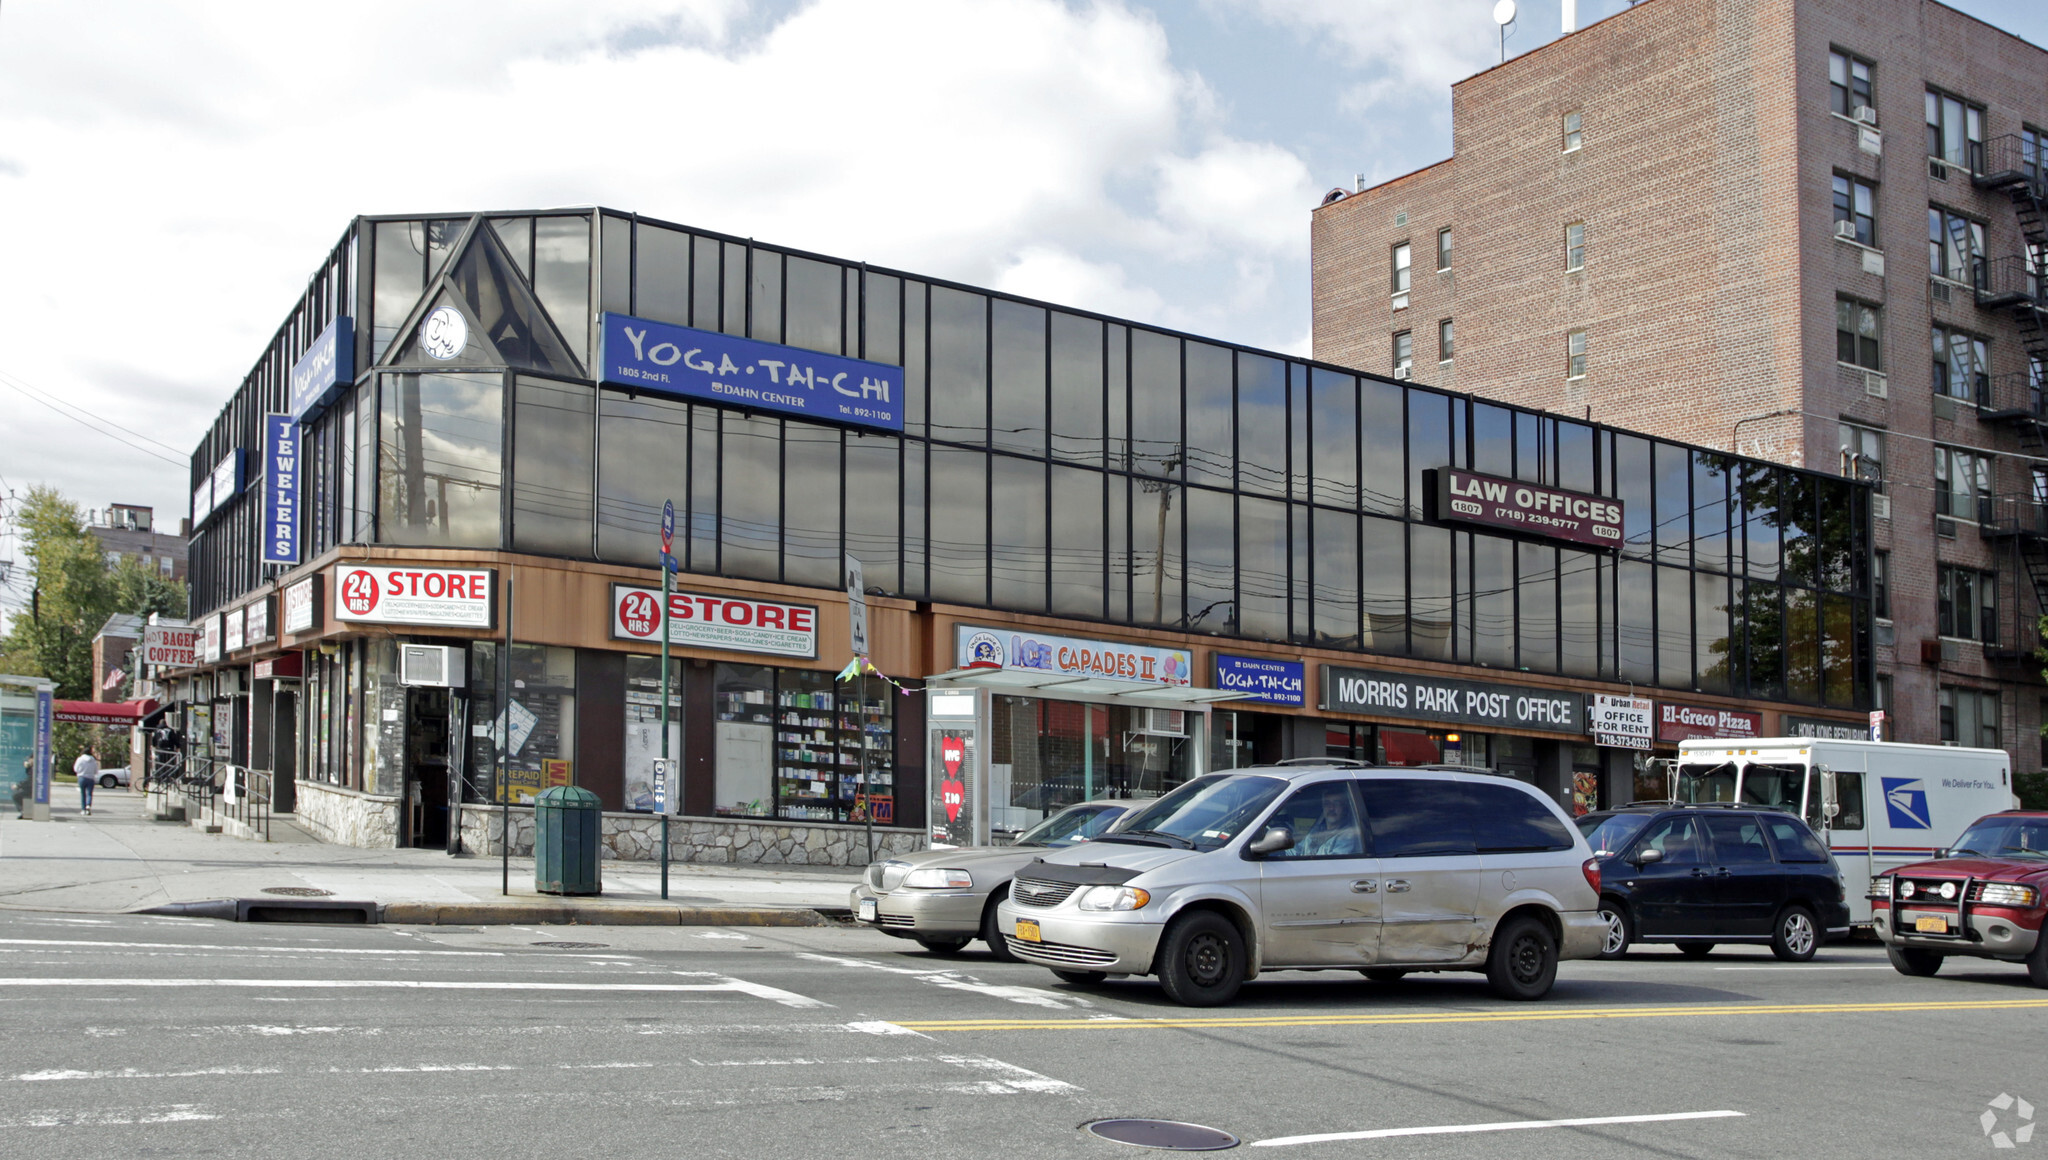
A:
1797,229
128,531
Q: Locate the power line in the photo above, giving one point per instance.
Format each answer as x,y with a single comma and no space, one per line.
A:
185,463
23,385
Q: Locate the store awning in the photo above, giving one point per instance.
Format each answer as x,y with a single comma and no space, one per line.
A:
116,713
1066,686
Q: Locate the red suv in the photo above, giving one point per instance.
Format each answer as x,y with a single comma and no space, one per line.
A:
1984,899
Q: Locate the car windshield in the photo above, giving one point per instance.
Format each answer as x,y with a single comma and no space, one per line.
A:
1609,834
1202,815
1071,825
1996,837
1706,783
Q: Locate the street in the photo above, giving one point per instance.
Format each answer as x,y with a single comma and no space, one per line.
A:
140,1035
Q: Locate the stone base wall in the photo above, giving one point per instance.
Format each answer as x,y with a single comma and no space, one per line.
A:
770,842
348,817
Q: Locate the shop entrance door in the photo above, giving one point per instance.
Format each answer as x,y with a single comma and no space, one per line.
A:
424,806
284,749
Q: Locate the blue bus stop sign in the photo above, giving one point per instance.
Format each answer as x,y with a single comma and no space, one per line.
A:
668,526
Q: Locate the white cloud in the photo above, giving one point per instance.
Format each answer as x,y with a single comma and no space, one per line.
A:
1055,275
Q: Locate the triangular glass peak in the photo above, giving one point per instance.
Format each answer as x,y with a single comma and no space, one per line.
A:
502,322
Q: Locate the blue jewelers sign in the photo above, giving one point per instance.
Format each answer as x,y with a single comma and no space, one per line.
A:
740,372
280,529
1260,679
328,365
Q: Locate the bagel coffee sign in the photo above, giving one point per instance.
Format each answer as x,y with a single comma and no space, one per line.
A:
1511,504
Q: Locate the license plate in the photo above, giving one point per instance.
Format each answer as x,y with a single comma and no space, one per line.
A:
1027,930
868,909
1931,924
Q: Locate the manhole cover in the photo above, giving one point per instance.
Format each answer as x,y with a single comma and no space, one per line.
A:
299,891
1169,1134
572,946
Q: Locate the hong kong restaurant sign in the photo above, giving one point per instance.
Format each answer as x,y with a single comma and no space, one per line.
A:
1451,701
1489,500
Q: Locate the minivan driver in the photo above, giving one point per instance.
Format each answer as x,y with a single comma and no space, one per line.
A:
1336,831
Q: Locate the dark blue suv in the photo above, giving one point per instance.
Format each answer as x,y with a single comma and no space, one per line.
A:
1701,875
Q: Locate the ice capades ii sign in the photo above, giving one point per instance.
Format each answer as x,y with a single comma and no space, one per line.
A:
994,648
1692,722
742,372
1530,508
1260,679
1451,701
434,597
704,620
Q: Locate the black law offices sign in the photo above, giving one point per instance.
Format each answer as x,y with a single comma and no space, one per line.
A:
1475,704
1532,509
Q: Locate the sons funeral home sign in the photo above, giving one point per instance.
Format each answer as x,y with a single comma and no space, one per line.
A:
745,373
1515,506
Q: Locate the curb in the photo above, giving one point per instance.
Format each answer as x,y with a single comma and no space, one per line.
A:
486,913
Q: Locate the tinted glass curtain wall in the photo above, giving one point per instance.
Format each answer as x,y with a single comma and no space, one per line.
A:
1052,462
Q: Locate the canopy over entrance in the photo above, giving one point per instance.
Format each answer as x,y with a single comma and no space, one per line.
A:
115,713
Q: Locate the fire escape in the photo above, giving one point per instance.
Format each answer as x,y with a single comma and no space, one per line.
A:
2018,165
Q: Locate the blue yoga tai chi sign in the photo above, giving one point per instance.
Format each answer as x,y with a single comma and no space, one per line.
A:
741,372
1260,679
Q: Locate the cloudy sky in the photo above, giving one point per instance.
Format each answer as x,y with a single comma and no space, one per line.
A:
171,172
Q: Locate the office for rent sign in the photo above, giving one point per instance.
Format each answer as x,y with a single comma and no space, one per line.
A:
1488,500
1621,722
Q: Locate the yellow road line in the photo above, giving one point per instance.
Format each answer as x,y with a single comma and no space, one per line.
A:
1519,1016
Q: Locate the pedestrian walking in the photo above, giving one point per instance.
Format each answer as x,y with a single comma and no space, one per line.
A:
87,767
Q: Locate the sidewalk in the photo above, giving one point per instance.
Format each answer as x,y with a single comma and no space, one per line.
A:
120,860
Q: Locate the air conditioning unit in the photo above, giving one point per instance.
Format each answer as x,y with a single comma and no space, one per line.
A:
1880,507
433,666
1866,114
1846,230
1937,290
1876,385
1164,723
1930,651
1403,372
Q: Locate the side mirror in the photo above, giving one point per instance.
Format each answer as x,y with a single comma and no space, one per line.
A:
1646,856
1272,841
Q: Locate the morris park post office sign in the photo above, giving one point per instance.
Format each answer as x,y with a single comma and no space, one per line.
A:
1475,704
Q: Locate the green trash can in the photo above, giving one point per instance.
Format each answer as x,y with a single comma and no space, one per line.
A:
566,823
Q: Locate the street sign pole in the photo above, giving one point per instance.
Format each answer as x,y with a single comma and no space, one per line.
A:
857,632
668,533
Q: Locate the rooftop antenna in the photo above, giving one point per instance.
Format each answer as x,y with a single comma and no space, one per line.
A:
1504,15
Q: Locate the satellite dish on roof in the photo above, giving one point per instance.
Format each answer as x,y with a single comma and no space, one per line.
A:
1504,12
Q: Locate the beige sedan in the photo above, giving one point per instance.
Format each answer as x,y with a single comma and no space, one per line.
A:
944,898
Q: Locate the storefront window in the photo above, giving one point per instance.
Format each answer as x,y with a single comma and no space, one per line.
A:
1046,755
1239,740
539,731
789,744
643,729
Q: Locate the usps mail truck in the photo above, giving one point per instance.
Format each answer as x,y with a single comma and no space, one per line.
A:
1877,804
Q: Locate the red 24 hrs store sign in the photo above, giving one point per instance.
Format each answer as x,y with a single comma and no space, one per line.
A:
433,597
732,623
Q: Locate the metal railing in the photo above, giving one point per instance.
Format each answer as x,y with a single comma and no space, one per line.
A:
2007,281
245,796
2017,394
2007,161
2014,514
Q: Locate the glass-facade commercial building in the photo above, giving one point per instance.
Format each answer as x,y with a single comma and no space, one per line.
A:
518,396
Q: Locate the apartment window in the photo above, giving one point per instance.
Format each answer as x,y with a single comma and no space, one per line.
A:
1859,334
1575,246
1856,202
1443,249
1572,121
1962,484
1404,353
1955,132
1444,341
1961,365
1966,603
1955,246
1575,355
1969,717
1400,278
2033,152
1881,586
1863,453
1848,83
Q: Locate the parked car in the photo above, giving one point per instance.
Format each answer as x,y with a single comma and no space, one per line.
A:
1383,871
944,898
1703,875
109,778
1984,899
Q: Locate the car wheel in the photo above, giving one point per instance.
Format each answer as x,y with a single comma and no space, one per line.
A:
1614,944
107,781
1523,961
1202,960
992,934
1384,974
1080,978
1695,950
2037,963
1796,936
1920,964
942,945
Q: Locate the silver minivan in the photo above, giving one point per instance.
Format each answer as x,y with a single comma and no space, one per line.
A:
1386,871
